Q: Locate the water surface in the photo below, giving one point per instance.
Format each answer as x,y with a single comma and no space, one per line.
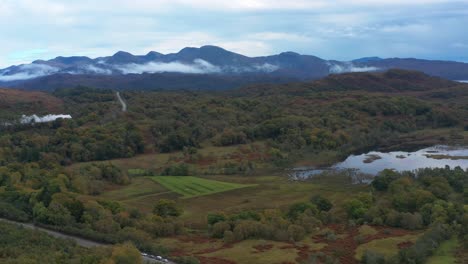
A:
374,162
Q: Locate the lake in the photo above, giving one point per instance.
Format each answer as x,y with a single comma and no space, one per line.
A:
374,161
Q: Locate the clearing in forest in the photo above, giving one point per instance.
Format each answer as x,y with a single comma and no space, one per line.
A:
189,186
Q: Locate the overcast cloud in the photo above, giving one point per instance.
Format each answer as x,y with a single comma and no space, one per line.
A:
336,29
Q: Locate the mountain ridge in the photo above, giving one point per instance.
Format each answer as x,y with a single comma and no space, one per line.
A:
213,60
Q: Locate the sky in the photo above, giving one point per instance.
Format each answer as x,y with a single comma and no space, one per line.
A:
330,29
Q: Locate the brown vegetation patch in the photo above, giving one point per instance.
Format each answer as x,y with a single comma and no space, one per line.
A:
214,260
263,248
406,244
30,102
344,248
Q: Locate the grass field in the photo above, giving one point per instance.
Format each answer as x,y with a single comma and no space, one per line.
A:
189,186
139,188
231,197
386,246
445,254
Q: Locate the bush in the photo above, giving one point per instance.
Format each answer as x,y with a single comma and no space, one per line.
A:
220,228
176,170
411,221
213,218
322,203
372,257
228,237
187,260
8,211
298,208
330,236
167,208
230,137
296,233
425,245
245,230
360,239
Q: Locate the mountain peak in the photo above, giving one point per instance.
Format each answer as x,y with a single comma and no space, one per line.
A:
122,57
122,54
71,60
290,53
152,55
212,47
207,49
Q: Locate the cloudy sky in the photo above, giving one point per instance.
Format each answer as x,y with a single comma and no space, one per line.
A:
331,29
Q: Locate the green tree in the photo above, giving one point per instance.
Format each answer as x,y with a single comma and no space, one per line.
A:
126,254
322,203
167,208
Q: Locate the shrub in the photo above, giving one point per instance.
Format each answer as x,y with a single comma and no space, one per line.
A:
322,203
372,257
298,208
187,260
166,208
213,218
296,233
220,228
8,211
411,221
229,237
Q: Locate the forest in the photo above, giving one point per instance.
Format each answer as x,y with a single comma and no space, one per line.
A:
82,175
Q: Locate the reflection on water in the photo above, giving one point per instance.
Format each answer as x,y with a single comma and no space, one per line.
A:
374,162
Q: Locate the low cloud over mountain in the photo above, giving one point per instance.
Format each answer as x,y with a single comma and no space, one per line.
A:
350,67
26,72
212,60
198,66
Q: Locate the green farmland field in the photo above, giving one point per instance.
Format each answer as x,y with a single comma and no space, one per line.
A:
189,186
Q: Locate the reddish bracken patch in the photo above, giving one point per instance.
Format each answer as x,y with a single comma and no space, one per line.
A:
263,248
345,248
214,249
288,246
196,239
214,260
205,161
29,102
406,244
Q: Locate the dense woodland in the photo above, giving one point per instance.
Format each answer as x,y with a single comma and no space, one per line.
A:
339,115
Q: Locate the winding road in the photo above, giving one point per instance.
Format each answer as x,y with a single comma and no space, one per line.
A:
122,102
80,241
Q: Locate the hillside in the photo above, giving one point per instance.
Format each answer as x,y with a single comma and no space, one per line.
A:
155,81
15,102
391,81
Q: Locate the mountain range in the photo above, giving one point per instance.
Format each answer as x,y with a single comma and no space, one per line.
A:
207,67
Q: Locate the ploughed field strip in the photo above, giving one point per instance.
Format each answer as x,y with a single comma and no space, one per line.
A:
189,186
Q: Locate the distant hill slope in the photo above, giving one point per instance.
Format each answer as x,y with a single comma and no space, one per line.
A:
198,67
156,81
17,102
391,81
